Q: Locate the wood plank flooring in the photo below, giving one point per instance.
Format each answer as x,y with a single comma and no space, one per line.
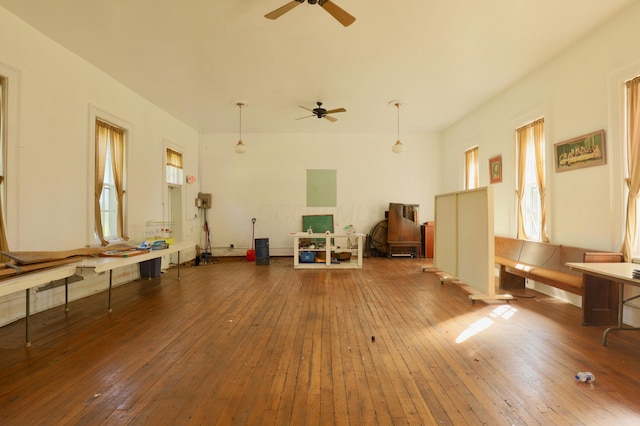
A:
234,343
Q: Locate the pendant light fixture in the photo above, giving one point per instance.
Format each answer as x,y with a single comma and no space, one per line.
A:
398,147
240,147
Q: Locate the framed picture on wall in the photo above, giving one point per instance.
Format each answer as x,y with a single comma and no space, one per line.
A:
583,151
495,169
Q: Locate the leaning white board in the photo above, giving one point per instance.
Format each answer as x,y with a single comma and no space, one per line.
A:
464,239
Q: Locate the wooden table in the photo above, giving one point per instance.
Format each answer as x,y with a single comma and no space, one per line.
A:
618,272
108,264
98,264
34,279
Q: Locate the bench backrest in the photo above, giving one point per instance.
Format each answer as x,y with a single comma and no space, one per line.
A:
550,256
508,248
541,254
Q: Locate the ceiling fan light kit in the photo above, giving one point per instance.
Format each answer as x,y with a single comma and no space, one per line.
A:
240,147
333,9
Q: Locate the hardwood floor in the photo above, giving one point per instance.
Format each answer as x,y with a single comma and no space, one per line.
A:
236,343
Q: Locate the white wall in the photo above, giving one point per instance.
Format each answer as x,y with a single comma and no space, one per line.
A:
269,182
577,93
51,92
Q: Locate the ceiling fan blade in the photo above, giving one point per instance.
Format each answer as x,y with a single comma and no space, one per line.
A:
332,111
337,12
308,109
306,116
330,118
283,9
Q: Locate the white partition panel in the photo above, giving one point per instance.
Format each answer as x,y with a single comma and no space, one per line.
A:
464,240
445,256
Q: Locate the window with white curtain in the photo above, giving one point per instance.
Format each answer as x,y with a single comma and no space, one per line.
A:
531,181
110,182
4,246
631,243
471,168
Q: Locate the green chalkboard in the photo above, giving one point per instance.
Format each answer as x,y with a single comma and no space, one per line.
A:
319,223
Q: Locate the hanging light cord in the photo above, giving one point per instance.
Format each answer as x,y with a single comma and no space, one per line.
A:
240,107
398,108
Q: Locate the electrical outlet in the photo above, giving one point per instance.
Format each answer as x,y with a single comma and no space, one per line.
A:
230,246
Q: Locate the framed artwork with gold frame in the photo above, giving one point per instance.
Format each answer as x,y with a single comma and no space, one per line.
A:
495,169
584,151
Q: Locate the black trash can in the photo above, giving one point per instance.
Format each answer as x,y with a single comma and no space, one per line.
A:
262,251
150,268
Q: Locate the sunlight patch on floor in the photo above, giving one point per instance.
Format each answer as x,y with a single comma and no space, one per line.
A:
504,311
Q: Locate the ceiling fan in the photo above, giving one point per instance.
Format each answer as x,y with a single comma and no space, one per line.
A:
334,10
322,113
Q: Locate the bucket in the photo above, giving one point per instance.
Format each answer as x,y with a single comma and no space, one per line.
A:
251,255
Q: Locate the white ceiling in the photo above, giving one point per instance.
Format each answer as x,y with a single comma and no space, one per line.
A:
193,58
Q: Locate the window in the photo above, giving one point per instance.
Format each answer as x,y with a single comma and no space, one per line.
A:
173,171
531,191
471,168
110,182
630,245
4,246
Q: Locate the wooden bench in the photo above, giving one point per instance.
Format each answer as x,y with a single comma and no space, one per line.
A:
544,263
520,260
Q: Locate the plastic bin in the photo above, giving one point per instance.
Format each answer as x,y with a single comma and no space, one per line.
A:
262,251
307,257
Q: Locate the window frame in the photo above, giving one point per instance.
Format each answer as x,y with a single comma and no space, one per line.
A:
10,148
531,185
635,244
174,170
472,154
617,153
99,114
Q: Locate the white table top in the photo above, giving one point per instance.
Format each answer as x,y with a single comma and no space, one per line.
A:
103,264
98,264
618,271
35,279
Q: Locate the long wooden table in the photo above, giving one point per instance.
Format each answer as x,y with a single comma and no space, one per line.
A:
99,265
108,264
618,272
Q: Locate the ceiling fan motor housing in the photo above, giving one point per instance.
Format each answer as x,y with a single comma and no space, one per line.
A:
320,112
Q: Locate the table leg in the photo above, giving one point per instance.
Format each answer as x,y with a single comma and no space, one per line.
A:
178,265
620,326
620,308
110,286
66,295
27,341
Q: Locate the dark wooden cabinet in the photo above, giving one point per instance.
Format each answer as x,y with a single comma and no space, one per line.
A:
428,233
601,296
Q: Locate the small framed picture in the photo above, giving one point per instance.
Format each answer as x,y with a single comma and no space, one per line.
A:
495,169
